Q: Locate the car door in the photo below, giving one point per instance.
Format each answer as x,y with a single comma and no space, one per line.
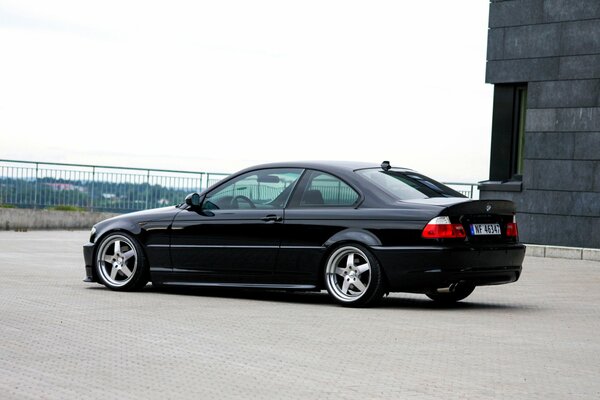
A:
321,206
236,234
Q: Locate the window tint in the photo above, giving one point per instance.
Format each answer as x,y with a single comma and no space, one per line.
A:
407,185
267,188
326,190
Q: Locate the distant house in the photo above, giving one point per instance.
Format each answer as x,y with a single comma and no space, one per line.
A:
543,59
65,186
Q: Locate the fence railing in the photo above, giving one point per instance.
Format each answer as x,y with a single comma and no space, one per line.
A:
468,189
32,184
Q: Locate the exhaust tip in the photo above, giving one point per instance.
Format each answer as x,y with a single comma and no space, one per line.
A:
449,289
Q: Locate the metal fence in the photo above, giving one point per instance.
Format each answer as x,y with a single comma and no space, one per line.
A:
468,189
30,184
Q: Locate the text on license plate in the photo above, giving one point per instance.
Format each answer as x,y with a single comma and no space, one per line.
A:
485,229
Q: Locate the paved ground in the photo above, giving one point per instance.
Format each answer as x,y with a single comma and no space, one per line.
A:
61,338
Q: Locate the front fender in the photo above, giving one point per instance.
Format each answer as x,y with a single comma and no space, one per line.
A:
108,226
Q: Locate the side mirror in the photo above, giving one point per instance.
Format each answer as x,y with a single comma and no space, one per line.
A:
193,200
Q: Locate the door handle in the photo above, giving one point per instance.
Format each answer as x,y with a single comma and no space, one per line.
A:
272,218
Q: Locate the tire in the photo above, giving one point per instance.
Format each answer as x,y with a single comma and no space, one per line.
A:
461,292
353,276
120,263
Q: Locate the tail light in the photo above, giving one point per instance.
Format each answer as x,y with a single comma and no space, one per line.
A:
442,228
511,228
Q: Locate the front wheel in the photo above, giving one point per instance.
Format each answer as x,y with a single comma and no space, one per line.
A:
120,263
353,276
461,292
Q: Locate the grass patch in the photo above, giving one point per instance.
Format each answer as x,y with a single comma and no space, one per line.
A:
65,208
7,206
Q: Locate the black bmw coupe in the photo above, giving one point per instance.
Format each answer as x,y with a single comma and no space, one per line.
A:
358,230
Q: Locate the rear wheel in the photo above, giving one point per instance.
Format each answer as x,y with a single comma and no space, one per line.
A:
120,263
462,291
353,276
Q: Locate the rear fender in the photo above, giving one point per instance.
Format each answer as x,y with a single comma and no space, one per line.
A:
354,235
360,236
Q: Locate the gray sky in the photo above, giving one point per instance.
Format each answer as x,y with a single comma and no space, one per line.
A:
221,85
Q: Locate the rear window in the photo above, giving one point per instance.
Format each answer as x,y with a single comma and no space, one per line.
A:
407,185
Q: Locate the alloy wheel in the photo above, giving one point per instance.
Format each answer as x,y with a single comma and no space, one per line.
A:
348,273
117,260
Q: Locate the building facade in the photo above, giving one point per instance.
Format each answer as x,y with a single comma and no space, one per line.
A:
543,59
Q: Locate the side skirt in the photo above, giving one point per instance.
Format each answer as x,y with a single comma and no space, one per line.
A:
240,285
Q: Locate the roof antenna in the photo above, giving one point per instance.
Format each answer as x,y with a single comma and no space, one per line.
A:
385,165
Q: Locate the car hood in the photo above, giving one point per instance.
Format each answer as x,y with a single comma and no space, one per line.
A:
154,214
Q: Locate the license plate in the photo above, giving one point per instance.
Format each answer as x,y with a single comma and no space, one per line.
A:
485,229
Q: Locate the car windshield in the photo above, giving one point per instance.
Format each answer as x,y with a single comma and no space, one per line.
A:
407,185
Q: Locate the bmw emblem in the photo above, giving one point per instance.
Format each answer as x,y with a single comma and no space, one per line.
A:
488,208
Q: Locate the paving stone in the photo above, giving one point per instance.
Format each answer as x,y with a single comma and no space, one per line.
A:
63,339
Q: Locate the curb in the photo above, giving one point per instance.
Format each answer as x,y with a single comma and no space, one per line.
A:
23,219
571,253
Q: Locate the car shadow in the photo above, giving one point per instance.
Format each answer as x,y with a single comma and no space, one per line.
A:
287,296
396,301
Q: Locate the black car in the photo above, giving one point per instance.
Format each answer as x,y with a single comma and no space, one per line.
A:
358,230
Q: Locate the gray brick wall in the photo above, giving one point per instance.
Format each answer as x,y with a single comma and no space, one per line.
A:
553,46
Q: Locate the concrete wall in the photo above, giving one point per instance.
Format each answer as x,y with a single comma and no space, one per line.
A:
553,46
25,219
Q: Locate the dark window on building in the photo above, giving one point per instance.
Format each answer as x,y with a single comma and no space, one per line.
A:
508,132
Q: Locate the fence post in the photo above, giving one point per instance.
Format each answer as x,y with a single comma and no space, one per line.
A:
147,188
35,190
92,196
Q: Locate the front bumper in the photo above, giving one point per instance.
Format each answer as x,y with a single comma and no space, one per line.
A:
88,256
422,269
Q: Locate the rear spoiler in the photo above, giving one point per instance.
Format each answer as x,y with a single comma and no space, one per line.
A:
504,207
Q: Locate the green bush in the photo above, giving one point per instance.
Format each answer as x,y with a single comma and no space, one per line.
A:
65,208
7,206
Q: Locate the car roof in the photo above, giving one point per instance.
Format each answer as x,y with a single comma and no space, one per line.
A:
342,166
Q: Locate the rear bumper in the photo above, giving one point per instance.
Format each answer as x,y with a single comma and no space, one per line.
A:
88,255
422,269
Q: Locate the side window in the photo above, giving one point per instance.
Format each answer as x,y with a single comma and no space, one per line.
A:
325,190
266,188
